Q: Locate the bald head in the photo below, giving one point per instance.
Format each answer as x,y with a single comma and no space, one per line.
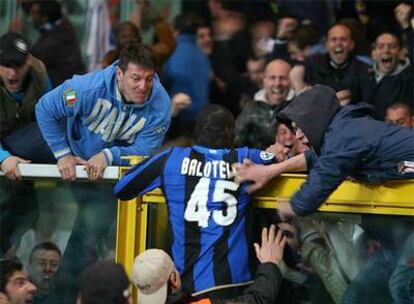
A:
276,81
339,43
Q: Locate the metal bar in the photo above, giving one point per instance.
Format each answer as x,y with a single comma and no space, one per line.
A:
51,171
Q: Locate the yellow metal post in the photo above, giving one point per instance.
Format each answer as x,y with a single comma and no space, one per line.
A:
131,227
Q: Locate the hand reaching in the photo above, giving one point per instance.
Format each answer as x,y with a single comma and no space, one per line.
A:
272,246
259,175
281,152
180,101
402,14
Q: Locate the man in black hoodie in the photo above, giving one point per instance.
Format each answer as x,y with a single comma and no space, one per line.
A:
344,142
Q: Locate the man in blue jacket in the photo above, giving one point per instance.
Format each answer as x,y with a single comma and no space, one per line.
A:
345,142
94,120
187,71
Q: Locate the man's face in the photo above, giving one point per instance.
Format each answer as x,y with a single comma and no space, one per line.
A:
291,234
399,116
300,136
255,70
204,40
13,77
294,51
135,83
43,267
276,82
386,53
37,18
287,138
339,44
19,289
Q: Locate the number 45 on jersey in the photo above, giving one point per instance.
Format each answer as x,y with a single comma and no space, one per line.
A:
196,210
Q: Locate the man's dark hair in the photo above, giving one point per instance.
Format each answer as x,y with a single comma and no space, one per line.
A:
187,23
139,54
305,35
395,35
49,246
132,26
50,8
214,127
7,269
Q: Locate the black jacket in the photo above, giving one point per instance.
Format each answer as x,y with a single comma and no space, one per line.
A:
264,290
396,87
352,76
59,50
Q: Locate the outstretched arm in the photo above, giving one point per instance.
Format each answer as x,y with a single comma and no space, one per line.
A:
142,178
261,175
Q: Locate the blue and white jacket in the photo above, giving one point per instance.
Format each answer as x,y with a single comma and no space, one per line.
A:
86,115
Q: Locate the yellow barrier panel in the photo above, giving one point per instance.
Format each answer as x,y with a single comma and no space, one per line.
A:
391,197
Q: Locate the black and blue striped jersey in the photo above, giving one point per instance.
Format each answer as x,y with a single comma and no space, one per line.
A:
206,210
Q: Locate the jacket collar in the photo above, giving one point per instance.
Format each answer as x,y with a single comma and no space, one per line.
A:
400,67
261,96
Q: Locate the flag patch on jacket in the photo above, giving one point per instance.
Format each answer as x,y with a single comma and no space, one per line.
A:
69,96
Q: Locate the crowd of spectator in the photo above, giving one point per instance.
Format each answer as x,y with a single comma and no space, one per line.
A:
286,78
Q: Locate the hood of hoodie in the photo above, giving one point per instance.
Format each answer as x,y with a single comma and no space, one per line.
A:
313,111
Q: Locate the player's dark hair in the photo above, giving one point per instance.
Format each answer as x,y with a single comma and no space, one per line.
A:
139,54
214,127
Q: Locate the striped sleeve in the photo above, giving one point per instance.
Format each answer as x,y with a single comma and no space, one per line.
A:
142,178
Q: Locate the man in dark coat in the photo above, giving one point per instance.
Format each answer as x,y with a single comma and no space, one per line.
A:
391,79
339,69
57,45
344,142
